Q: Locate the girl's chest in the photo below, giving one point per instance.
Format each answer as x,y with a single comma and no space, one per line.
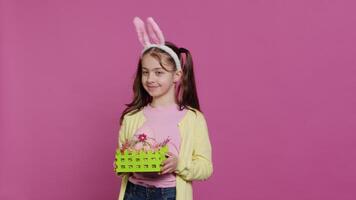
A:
154,133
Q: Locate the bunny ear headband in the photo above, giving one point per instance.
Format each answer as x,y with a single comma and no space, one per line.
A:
156,35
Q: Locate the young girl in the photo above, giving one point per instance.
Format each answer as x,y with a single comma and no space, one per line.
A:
165,105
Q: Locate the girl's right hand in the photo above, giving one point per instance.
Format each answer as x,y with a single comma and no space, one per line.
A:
114,165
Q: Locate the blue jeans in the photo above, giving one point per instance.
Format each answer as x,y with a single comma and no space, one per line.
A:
138,192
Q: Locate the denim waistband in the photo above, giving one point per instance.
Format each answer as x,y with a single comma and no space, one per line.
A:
135,188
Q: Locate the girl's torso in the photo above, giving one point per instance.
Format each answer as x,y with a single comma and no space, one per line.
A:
161,124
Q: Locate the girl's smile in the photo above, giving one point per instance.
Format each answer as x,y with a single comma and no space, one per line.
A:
152,88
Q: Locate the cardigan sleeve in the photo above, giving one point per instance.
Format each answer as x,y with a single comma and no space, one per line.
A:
122,132
122,138
200,168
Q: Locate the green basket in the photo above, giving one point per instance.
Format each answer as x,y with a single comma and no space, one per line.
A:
140,161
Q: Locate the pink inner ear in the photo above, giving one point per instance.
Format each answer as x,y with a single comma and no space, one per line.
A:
152,34
155,30
141,31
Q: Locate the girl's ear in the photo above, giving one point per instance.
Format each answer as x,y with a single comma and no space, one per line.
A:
178,76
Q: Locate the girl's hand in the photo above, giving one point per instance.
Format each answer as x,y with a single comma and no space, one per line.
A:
170,164
114,165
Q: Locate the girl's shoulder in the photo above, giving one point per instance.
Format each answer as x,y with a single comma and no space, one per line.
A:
195,114
133,115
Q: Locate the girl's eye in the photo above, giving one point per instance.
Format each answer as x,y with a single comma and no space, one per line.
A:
144,73
159,73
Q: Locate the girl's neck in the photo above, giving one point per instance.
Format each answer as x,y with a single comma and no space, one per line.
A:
155,104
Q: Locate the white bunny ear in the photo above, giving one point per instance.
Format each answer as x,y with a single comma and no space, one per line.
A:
141,31
154,31
156,35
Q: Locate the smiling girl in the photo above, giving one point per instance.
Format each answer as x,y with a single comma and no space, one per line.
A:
165,105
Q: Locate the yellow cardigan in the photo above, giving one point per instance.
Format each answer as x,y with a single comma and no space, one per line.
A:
194,159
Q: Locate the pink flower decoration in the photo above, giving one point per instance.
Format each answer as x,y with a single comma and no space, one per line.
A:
142,137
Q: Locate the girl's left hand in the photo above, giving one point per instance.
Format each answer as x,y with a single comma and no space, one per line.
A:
170,164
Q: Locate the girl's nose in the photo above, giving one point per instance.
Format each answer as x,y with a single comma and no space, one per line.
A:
150,78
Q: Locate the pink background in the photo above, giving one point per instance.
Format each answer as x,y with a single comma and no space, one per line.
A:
276,81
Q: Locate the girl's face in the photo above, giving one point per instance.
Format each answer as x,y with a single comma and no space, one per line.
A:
155,79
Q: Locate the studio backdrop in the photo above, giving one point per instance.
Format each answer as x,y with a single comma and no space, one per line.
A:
275,79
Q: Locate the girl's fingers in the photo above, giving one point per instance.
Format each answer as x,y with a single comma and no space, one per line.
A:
170,154
167,169
168,160
168,164
164,168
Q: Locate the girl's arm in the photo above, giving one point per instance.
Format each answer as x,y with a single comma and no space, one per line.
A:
201,166
122,138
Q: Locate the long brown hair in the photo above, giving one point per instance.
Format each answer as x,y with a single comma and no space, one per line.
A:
186,93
